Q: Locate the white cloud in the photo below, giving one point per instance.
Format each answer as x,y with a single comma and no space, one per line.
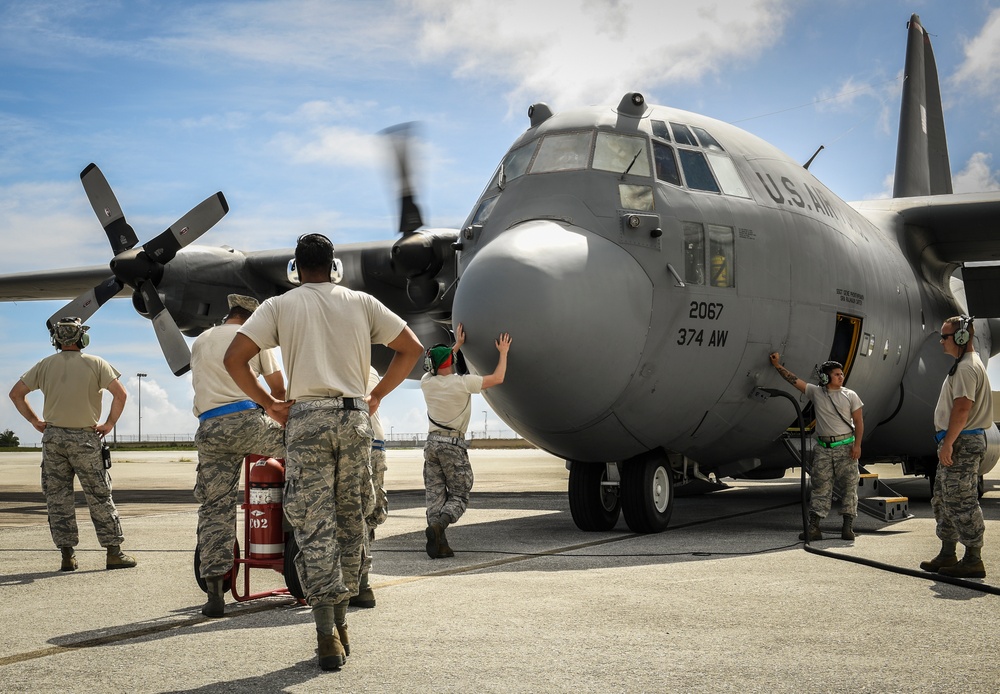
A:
981,68
978,176
579,52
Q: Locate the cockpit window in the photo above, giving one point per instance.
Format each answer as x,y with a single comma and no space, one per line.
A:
621,154
696,171
707,141
562,152
682,135
516,162
484,209
728,177
660,130
666,164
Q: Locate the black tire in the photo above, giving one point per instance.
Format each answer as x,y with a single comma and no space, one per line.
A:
647,492
594,506
980,487
291,575
227,581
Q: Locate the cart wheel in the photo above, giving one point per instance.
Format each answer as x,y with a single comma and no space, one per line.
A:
227,579
291,575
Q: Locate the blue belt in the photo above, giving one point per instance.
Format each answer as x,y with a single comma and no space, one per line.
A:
378,445
971,432
227,409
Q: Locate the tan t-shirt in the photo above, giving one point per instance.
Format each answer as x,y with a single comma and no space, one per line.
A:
969,381
325,332
72,383
834,409
449,401
377,428
213,386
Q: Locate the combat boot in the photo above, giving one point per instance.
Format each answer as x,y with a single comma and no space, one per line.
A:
366,596
332,655
117,559
434,532
331,651
216,605
945,558
68,559
971,565
444,549
813,533
847,531
340,621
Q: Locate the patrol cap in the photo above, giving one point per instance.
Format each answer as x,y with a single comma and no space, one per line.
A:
247,303
68,330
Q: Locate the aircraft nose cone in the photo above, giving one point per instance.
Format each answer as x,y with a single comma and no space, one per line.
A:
577,307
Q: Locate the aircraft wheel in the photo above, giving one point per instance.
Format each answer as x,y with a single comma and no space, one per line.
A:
594,506
227,580
980,487
291,574
647,491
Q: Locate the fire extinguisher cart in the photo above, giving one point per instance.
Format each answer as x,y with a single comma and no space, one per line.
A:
268,544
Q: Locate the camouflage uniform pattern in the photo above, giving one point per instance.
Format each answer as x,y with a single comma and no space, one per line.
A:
956,495
222,444
448,482
375,503
328,451
834,466
69,452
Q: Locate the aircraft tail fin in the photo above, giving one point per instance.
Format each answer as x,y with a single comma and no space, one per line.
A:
922,166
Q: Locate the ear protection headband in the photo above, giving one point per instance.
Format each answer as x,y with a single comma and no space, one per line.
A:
962,333
825,368
65,330
429,360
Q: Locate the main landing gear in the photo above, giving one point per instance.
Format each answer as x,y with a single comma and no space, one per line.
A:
641,488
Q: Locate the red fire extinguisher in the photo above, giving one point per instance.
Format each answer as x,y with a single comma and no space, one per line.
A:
264,513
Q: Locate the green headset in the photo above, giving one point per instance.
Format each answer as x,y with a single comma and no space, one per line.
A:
824,371
963,332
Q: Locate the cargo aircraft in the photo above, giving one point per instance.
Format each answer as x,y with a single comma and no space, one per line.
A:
646,261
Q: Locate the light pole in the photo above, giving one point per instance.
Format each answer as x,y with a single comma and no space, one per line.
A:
486,433
139,394
390,432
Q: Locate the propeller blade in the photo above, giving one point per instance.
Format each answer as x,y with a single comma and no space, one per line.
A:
200,219
172,342
400,137
121,236
85,305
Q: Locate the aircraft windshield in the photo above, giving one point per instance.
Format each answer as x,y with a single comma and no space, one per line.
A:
563,152
621,153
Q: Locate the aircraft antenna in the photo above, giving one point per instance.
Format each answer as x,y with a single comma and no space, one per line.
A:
806,165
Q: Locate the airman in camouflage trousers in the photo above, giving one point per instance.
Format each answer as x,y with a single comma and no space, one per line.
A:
328,450
956,494
222,444
68,452
448,481
374,505
830,466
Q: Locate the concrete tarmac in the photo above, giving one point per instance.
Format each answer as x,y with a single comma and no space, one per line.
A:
725,600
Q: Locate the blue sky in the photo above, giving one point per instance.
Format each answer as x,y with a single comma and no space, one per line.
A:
276,103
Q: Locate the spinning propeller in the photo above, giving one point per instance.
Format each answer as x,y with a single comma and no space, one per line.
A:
421,256
142,268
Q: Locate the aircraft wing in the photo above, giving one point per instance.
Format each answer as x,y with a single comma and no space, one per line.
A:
948,230
958,228
53,284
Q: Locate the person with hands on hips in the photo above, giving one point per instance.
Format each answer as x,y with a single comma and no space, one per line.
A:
963,413
839,429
